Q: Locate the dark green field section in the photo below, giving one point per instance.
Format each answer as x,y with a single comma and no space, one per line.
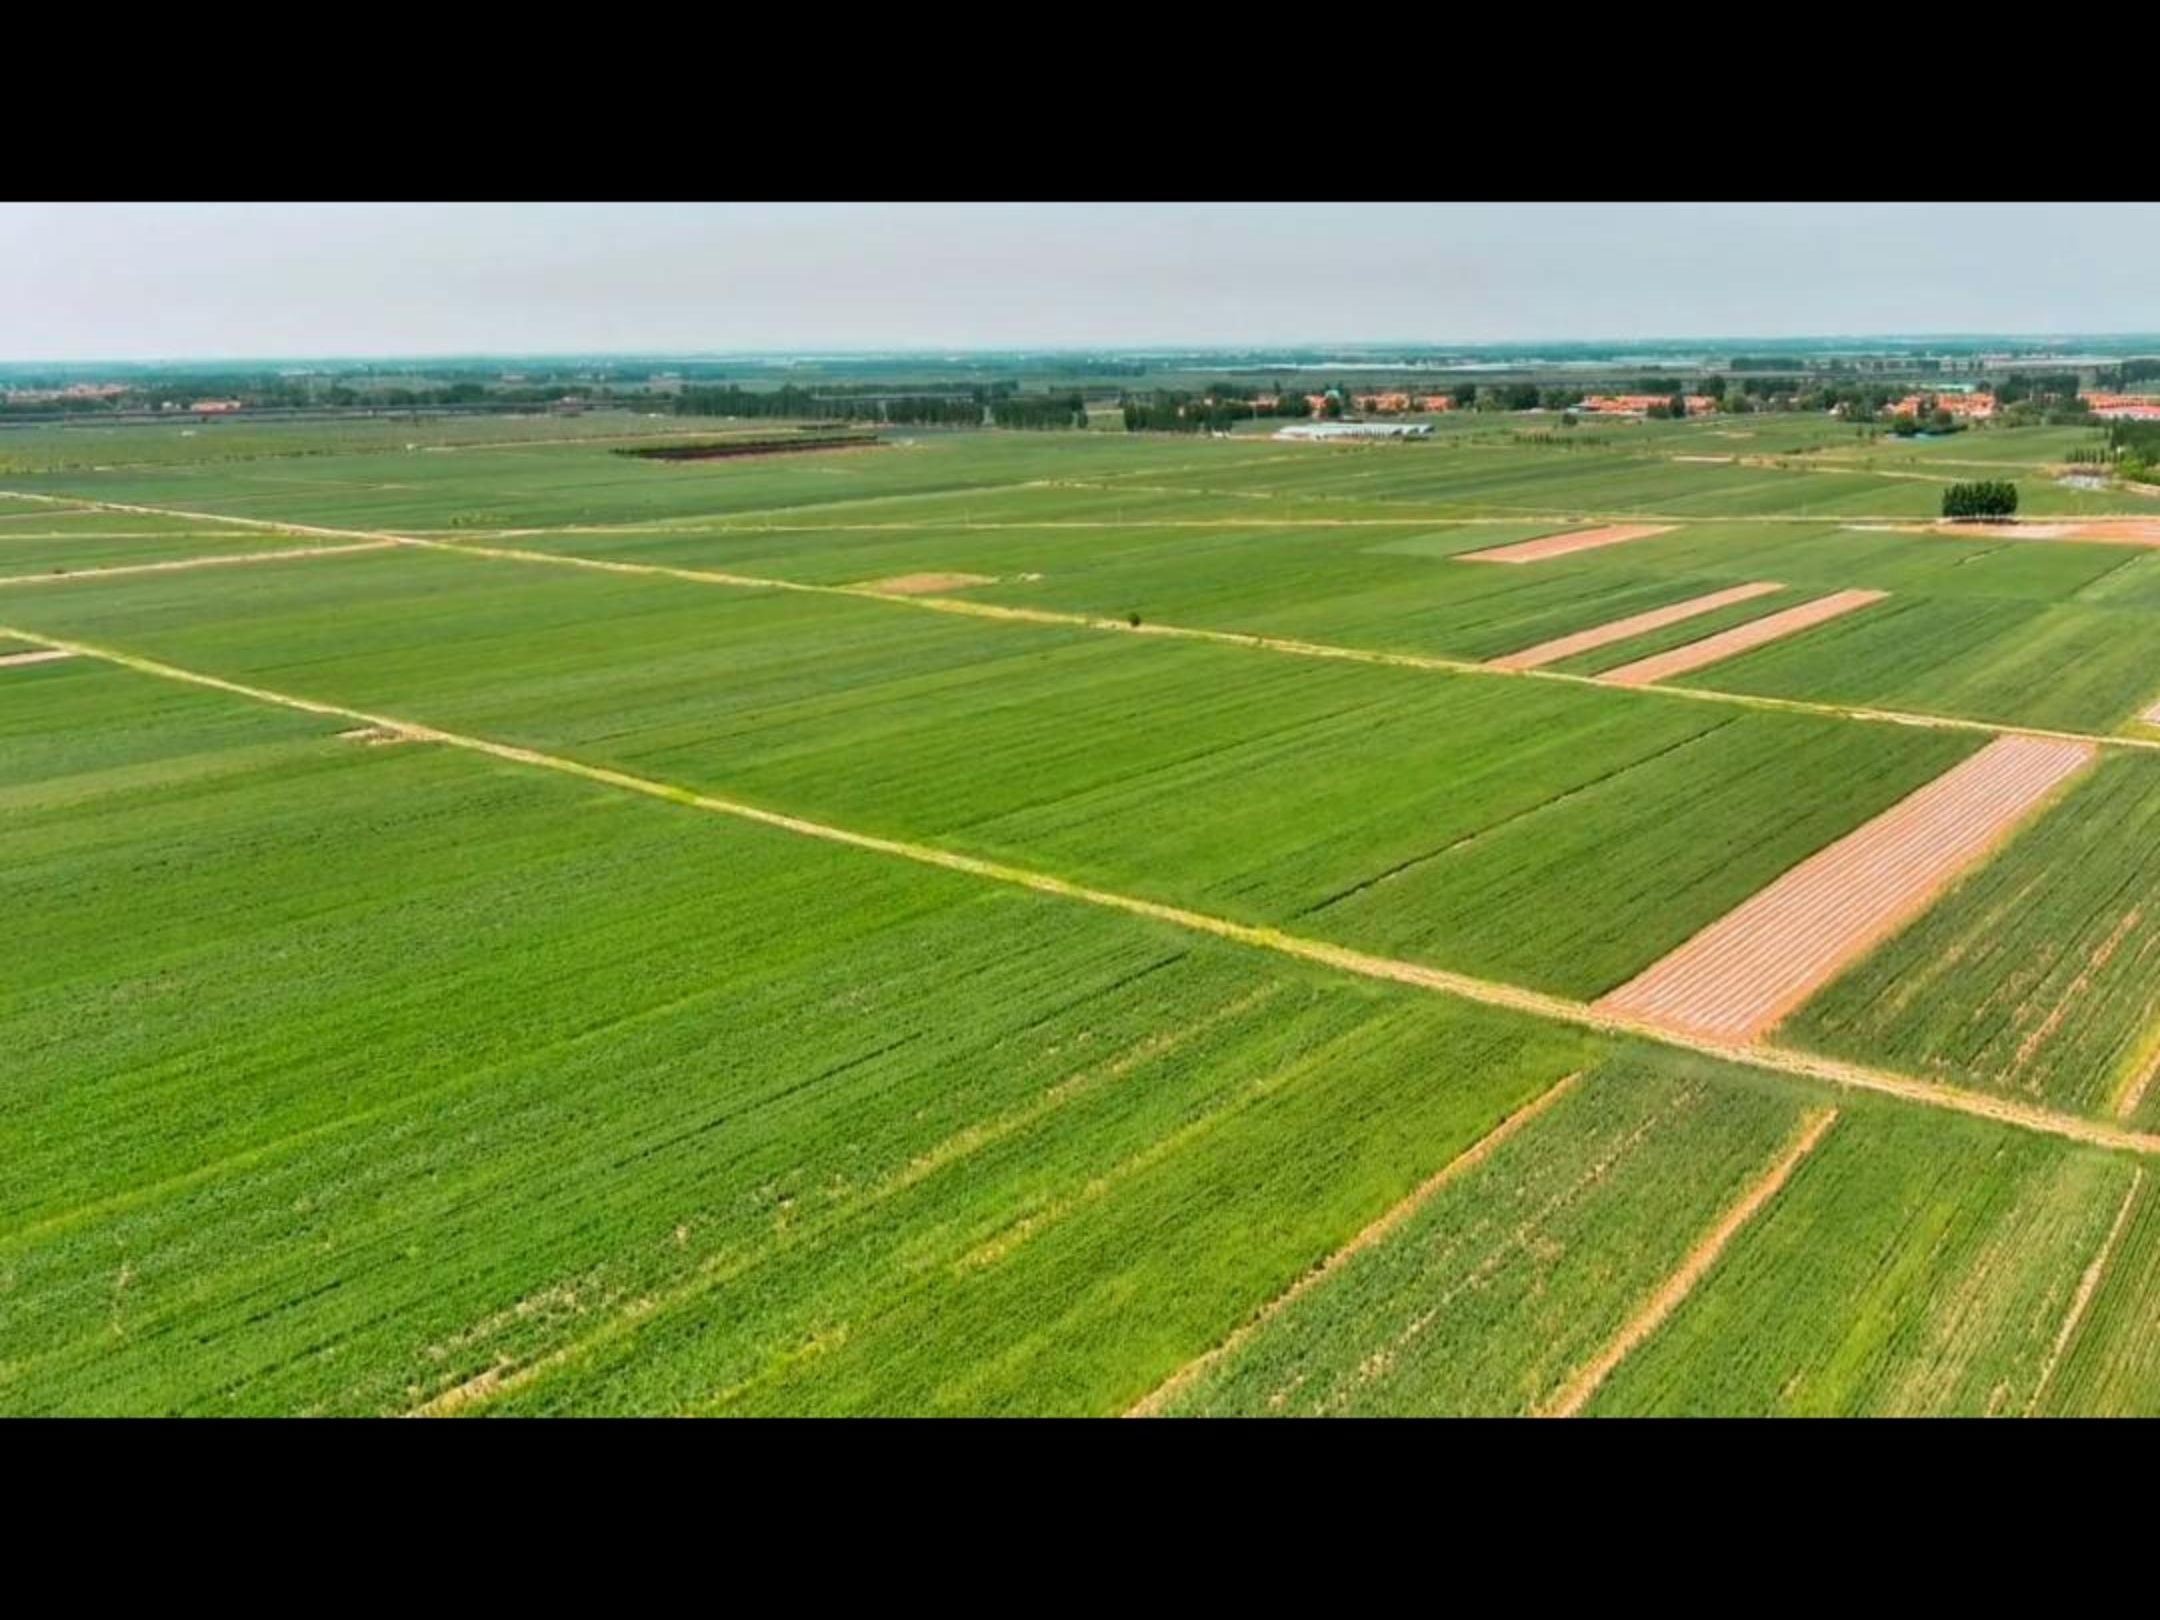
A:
1911,1265
736,1095
1457,819
2039,975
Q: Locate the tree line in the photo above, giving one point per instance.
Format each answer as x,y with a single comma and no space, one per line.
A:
1001,405
1985,498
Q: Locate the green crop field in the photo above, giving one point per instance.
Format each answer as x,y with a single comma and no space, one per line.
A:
1006,922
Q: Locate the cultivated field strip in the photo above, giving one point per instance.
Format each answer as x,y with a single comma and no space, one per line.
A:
2088,1285
183,564
2038,974
1566,545
1519,1272
1469,1159
1912,1265
1725,644
1582,641
1576,1393
1747,970
1598,1017
1287,645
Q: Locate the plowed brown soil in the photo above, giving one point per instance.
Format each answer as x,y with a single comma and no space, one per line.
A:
1550,652
1562,545
1748,969
1728,643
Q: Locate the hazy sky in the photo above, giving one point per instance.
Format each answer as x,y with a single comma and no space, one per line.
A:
173,280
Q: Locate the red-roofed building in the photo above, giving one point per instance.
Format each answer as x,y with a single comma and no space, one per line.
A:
1961,407
2125,407
1642,404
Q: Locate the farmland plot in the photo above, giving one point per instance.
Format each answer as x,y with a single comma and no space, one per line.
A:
2040,973
1464,814
269,1155
2064,665
1911,1266
1512,1277
358,1073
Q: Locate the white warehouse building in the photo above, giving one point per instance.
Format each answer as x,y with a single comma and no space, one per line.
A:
1355,430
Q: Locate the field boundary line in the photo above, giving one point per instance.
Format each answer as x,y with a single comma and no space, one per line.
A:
1536,1003
176,565
2088,1285
1394,1216
1673,1292
1250,640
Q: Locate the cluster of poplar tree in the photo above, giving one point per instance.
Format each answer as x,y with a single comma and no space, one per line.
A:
1986,498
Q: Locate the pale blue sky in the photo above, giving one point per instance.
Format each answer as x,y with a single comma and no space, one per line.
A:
176,280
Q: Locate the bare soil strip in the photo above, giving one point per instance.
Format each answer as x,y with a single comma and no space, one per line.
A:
2151,716
926,584
1227,638
1575,1394
1563,545
2088,1285
1468,1159
2118,531
180,564
1537,1003
1752,966
42,655
1727,643
1551,652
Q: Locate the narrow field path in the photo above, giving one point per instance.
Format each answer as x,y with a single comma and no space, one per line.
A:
178,565
1572,1397
1536,1003
1470,1157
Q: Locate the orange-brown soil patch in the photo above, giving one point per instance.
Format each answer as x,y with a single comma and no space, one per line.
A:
926,584
1548,652
1744,972
1727,643
1562,545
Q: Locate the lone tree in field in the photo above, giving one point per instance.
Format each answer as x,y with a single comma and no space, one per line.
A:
1989,498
